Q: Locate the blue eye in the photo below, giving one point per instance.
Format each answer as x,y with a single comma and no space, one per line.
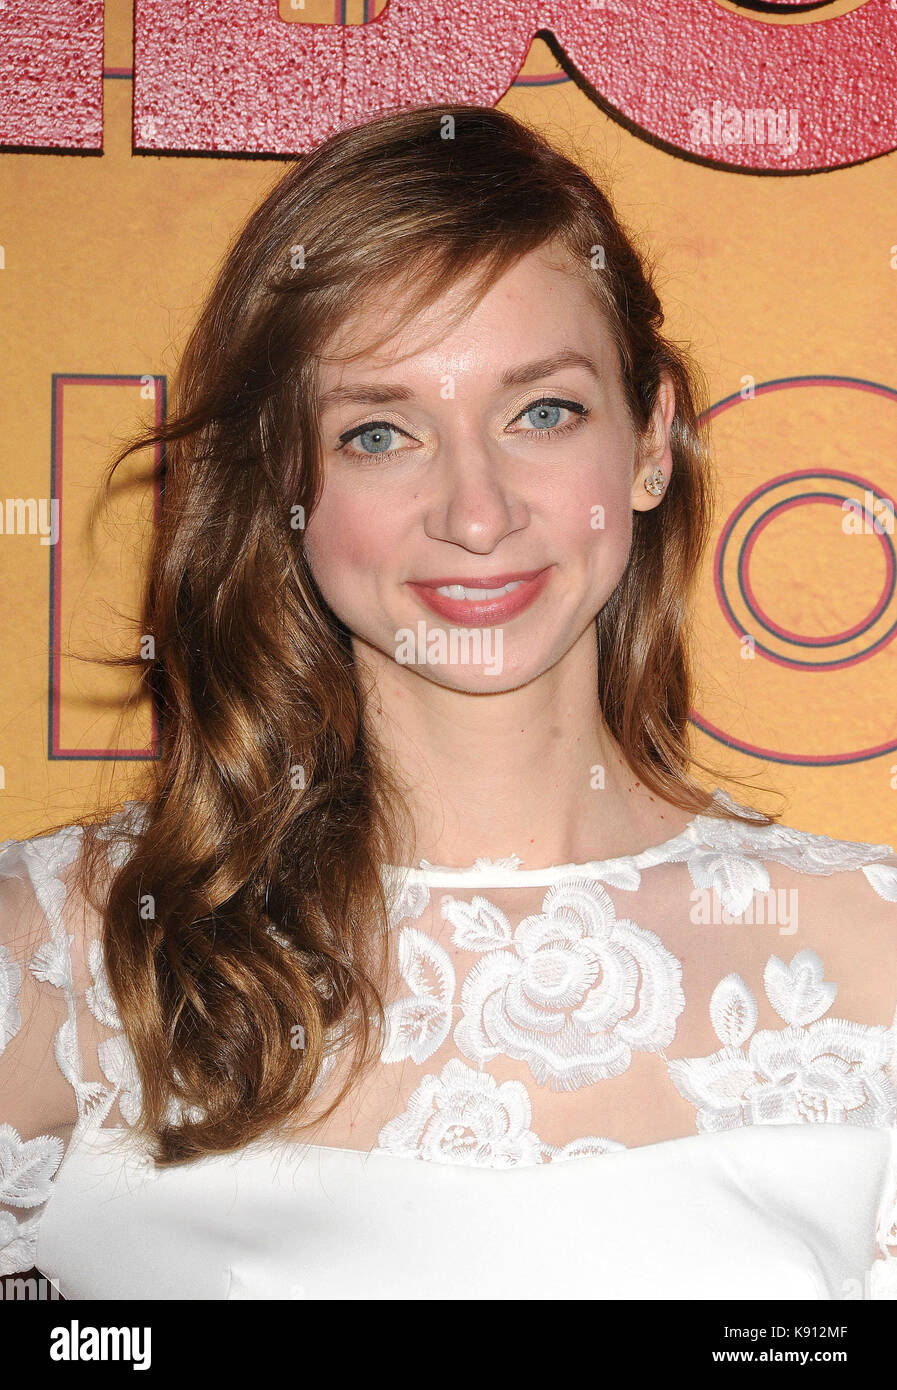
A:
547,413
376,439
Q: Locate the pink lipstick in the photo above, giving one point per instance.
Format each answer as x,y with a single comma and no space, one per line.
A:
465,607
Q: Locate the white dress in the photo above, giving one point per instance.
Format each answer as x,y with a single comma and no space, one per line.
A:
665,1075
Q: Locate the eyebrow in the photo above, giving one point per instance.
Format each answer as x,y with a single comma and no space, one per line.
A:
372,393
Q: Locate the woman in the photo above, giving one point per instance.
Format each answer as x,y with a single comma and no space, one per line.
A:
435,496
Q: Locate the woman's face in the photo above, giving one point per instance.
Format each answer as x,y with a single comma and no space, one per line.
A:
504,451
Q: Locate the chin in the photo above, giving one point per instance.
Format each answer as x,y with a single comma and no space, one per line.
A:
481,680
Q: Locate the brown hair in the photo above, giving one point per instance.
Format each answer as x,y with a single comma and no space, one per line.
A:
253,898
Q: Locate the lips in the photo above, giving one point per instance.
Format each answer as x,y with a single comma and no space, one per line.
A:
488,581
486,612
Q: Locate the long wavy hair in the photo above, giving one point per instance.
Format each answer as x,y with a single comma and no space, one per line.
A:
253,898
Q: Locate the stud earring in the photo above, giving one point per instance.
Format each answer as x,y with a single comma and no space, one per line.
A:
655,483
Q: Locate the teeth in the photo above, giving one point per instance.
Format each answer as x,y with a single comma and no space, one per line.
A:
459,591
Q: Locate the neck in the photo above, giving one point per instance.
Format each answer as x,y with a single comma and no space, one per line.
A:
532,771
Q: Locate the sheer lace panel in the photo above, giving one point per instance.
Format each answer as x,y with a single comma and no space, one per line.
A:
64,1064
617,1006
735,975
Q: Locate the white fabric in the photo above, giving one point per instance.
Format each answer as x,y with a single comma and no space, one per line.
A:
672,1074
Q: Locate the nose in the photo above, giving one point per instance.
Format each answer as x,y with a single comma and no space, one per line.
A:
474,502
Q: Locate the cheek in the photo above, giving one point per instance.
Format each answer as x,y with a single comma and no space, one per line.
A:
346,541
594,515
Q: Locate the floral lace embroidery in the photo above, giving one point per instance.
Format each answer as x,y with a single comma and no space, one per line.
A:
572,991
28,1167
883,1272
559,993
419,1023
464,1116
10,983
815,1070
729,858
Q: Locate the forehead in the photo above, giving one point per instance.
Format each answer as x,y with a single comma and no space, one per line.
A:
544,295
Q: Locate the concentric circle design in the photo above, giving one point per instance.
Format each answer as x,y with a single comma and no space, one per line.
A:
862,504
833,639
739,602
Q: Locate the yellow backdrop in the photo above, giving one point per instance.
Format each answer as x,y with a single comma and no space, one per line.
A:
784,287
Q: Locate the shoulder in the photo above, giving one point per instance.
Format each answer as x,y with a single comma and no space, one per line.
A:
822,909
50,921
43,857
744,856
55,1012
34,907
55,1003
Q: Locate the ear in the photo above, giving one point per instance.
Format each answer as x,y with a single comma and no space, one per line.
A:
654,450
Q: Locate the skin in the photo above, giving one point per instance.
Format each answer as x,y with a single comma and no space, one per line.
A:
495,763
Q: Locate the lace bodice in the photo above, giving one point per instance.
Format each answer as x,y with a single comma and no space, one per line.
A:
735,976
